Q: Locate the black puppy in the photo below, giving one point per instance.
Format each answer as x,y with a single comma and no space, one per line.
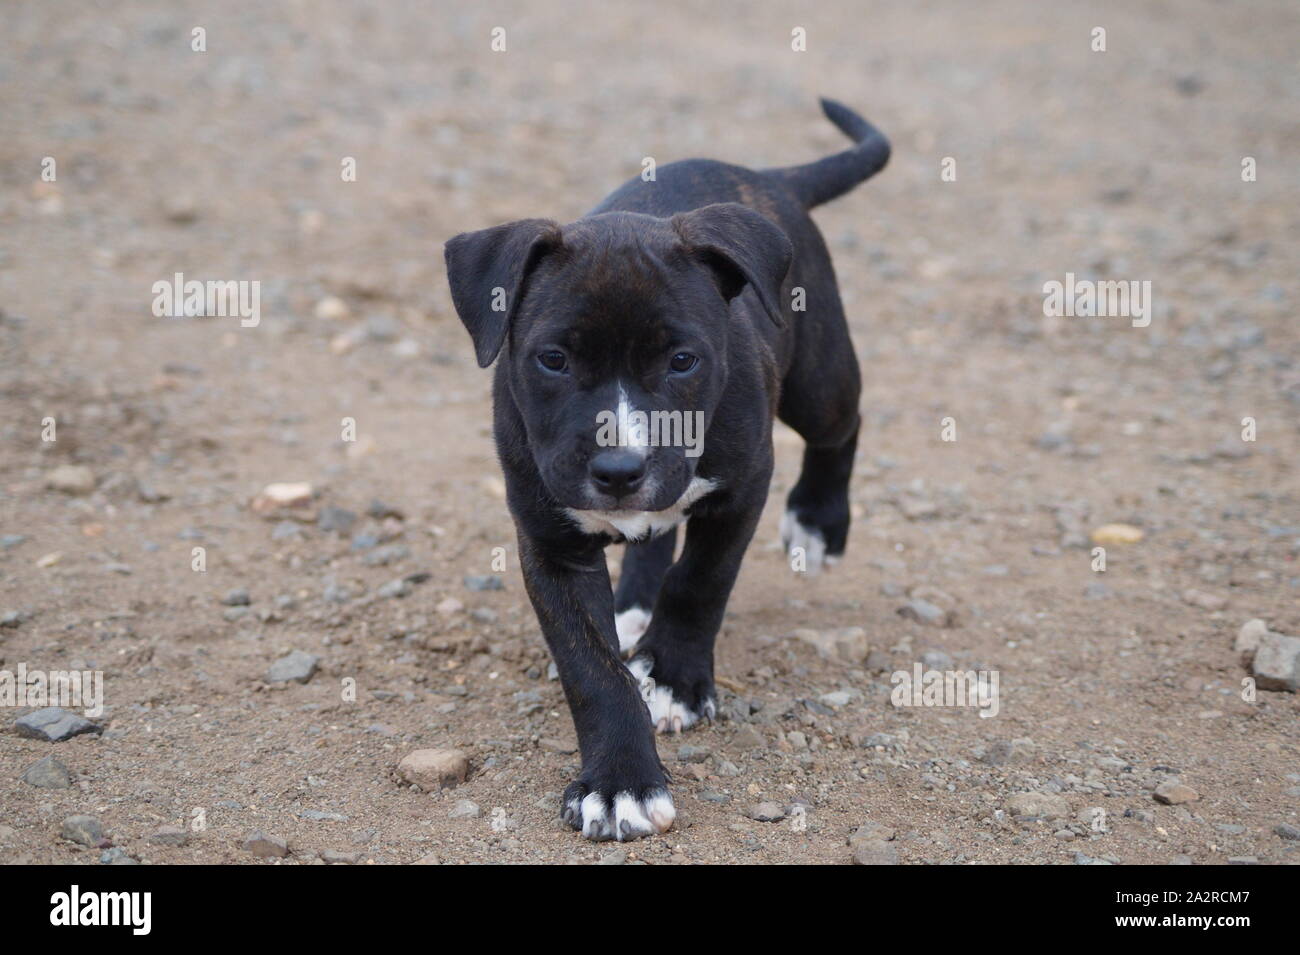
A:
647,347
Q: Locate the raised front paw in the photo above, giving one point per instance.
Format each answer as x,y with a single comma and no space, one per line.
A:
603,809
676,700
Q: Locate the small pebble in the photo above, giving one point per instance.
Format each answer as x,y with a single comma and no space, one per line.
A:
296,667
264,846
48,773
71,479
84,830
54,724
434,769
767,812
1173,793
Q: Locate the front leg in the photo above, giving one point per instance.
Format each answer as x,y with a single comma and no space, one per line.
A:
622,792
674,660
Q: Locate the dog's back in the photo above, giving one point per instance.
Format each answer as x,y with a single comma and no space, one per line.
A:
810,404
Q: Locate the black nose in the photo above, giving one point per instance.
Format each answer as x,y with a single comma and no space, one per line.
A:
617,471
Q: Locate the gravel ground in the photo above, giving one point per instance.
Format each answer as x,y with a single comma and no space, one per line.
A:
1120,691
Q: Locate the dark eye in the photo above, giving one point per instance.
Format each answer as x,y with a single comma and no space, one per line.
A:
553,360
683,362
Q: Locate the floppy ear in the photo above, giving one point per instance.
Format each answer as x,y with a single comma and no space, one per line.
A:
487,271
742,248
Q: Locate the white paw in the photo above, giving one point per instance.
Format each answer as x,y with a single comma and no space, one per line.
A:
809,540
666,712
631,625
631,818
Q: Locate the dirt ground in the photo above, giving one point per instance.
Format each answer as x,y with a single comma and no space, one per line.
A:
226,164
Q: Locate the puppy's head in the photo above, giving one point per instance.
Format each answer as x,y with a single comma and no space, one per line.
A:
615,329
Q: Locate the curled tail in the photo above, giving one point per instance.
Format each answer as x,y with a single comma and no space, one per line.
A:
825,179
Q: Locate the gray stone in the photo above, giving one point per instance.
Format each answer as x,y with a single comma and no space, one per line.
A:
686,753
1199,598
383,556
767,812
297,666
395,589
71,479
84,830
336,520
482,582
434,769
878,661
1081,859
402,586
927,613
1173,793
237,598
379,510
1003,752
1287,831
48,773
169,836
937,660
263,846
337,593
1056,437
874,852
565,747
747,737
1277,663
1038,805
286,530
319,815
54,724
871,831
464,809
382,328
1093,818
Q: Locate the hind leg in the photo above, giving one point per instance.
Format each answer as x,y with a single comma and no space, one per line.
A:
816,515
644,566
819,399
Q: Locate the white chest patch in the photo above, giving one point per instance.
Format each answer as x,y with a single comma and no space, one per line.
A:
642,525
